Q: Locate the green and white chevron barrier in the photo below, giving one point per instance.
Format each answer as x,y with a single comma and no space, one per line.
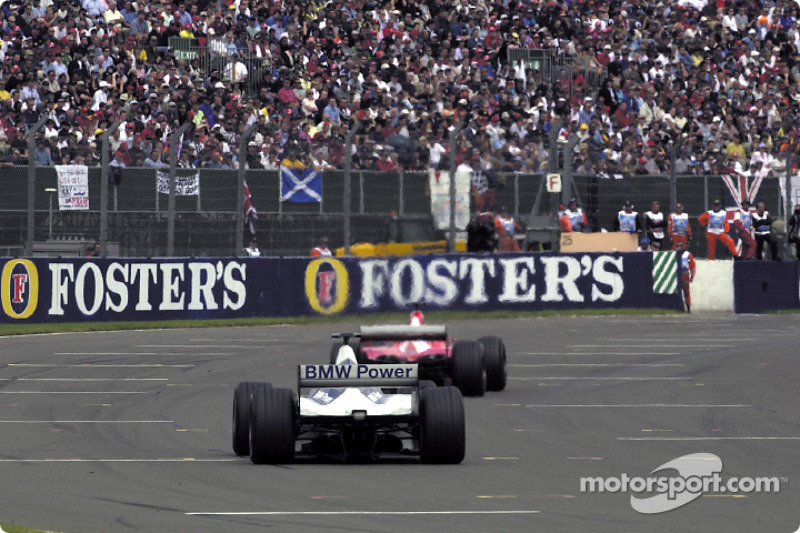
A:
665,272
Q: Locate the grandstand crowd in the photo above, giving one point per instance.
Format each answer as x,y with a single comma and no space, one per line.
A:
643,84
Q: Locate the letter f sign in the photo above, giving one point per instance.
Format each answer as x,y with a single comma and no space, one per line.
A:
553,182
20,282
325,287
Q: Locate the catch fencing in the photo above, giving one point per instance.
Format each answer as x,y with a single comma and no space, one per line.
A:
207,224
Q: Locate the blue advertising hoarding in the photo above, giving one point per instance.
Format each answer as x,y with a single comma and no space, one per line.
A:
79,290
760,286
525,282
94,290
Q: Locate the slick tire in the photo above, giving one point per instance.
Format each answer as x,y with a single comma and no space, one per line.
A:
467,369
442,426
494,357
241,415
272,426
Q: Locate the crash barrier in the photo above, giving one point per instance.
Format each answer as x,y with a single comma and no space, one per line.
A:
712,288
746,286
761,286
77,290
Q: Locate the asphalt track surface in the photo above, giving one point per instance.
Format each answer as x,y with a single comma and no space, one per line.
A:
130,431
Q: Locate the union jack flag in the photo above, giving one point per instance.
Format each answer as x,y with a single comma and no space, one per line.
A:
743,187
250,213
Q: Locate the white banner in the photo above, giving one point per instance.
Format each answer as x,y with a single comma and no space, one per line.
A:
73,187
440,198
184,185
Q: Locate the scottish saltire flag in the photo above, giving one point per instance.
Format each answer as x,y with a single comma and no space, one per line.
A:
301,185
250,213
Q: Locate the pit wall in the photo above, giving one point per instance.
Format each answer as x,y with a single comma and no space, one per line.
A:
78,290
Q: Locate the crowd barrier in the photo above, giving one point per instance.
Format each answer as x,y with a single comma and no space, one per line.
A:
760,286
77,290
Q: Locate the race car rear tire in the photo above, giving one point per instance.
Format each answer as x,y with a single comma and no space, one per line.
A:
355,344
467,370
272,426
494,357
442,426
426,384
241,415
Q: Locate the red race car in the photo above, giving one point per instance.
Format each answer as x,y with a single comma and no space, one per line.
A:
472,366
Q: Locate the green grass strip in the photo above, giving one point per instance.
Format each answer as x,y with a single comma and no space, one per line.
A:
19,529
434,316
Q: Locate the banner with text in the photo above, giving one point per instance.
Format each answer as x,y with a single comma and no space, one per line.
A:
78,290
184,185
73,187
527,282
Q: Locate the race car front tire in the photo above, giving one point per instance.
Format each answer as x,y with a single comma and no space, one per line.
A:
272,426
494,357
241,415
442,426
467,370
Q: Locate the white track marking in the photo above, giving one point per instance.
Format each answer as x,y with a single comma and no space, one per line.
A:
703,438
237,341
84,379
89,354
601,353
159,460
87,421
351,513
227,345
645,344
86,392
93,365
671,340
594,365
642,405
606,378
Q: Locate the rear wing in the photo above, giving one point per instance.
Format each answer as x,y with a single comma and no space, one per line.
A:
332,376
401,333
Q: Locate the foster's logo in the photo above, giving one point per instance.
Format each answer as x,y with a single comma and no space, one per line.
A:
327,285
20,288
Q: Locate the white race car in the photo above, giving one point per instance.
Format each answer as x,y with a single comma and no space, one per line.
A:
349,410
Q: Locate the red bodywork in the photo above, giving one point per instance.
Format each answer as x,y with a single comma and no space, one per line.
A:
406,350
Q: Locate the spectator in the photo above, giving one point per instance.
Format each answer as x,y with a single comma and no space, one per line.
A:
688,269
793,230
717,224
573,218
321,250
655,225
42,153
674,72
762,227
627,220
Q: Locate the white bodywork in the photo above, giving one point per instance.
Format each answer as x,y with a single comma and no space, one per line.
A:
342,401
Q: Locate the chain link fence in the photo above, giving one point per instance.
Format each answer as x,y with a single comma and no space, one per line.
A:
206,223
